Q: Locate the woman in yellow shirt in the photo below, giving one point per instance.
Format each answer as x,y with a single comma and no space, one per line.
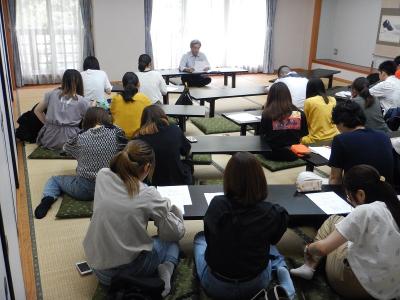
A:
318,110
126,108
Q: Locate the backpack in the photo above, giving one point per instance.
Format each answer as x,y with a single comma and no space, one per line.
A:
185,98
392,118
29,126
128,287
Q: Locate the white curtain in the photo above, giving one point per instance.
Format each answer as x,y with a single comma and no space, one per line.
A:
232,32
50,37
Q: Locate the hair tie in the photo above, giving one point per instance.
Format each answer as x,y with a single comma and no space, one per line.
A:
382,178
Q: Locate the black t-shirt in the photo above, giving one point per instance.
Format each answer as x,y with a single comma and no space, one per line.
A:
238,238
169,143
363,146
285,132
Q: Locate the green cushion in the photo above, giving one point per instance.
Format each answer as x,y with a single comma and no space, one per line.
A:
43,153
202,159
186,286
279,165
172,120
71,208
217,124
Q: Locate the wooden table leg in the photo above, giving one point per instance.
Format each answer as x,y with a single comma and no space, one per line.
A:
233,80
225,79
257,129
330,82
202,102
212,108
182,123
243,129
166,98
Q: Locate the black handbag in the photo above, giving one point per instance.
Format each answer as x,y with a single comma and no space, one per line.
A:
185,98
29,126
127,287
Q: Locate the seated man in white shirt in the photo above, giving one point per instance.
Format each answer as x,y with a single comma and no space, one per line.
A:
388,90
195,61
296,84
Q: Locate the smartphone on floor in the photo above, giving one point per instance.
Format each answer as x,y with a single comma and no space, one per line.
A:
191,139
83,268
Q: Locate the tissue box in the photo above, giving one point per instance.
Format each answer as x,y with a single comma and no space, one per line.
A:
309,185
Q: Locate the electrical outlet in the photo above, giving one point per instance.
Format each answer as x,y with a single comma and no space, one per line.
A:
335,51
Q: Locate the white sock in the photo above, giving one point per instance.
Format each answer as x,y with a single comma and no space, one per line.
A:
165,271
304,271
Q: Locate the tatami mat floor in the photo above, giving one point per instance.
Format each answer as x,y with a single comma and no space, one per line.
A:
59,242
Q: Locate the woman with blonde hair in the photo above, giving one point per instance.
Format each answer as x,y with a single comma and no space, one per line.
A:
117,238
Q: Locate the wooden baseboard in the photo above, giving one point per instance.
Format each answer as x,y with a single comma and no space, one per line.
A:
342,80
345,66
23,224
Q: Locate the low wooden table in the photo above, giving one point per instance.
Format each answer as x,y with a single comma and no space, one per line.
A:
176,89
318,73
212,94
181,112
229,144
227,72
301,209
244,123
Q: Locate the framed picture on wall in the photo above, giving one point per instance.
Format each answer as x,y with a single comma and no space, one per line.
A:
389,27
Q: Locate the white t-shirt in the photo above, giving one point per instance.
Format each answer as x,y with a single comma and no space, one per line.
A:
95,83
152,85
373,249
388,93
297,87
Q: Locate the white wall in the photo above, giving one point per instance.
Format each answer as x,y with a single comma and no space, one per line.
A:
118,30
351,27
292,33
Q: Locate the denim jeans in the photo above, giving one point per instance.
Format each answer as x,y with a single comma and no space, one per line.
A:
77,187
219,289
146,263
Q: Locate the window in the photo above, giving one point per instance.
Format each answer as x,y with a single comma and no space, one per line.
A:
232,32
50,39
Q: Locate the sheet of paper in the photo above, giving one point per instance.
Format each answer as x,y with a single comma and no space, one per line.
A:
178,194
210,196
243,117
171,88
200,65
344,94
396,144
323,151
330,203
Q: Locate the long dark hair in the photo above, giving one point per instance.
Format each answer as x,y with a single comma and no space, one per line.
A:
279,102
367,178
130,81
95,116
144,61
91,63
153,118
361,86
315,87
71,84
130,162
244,180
